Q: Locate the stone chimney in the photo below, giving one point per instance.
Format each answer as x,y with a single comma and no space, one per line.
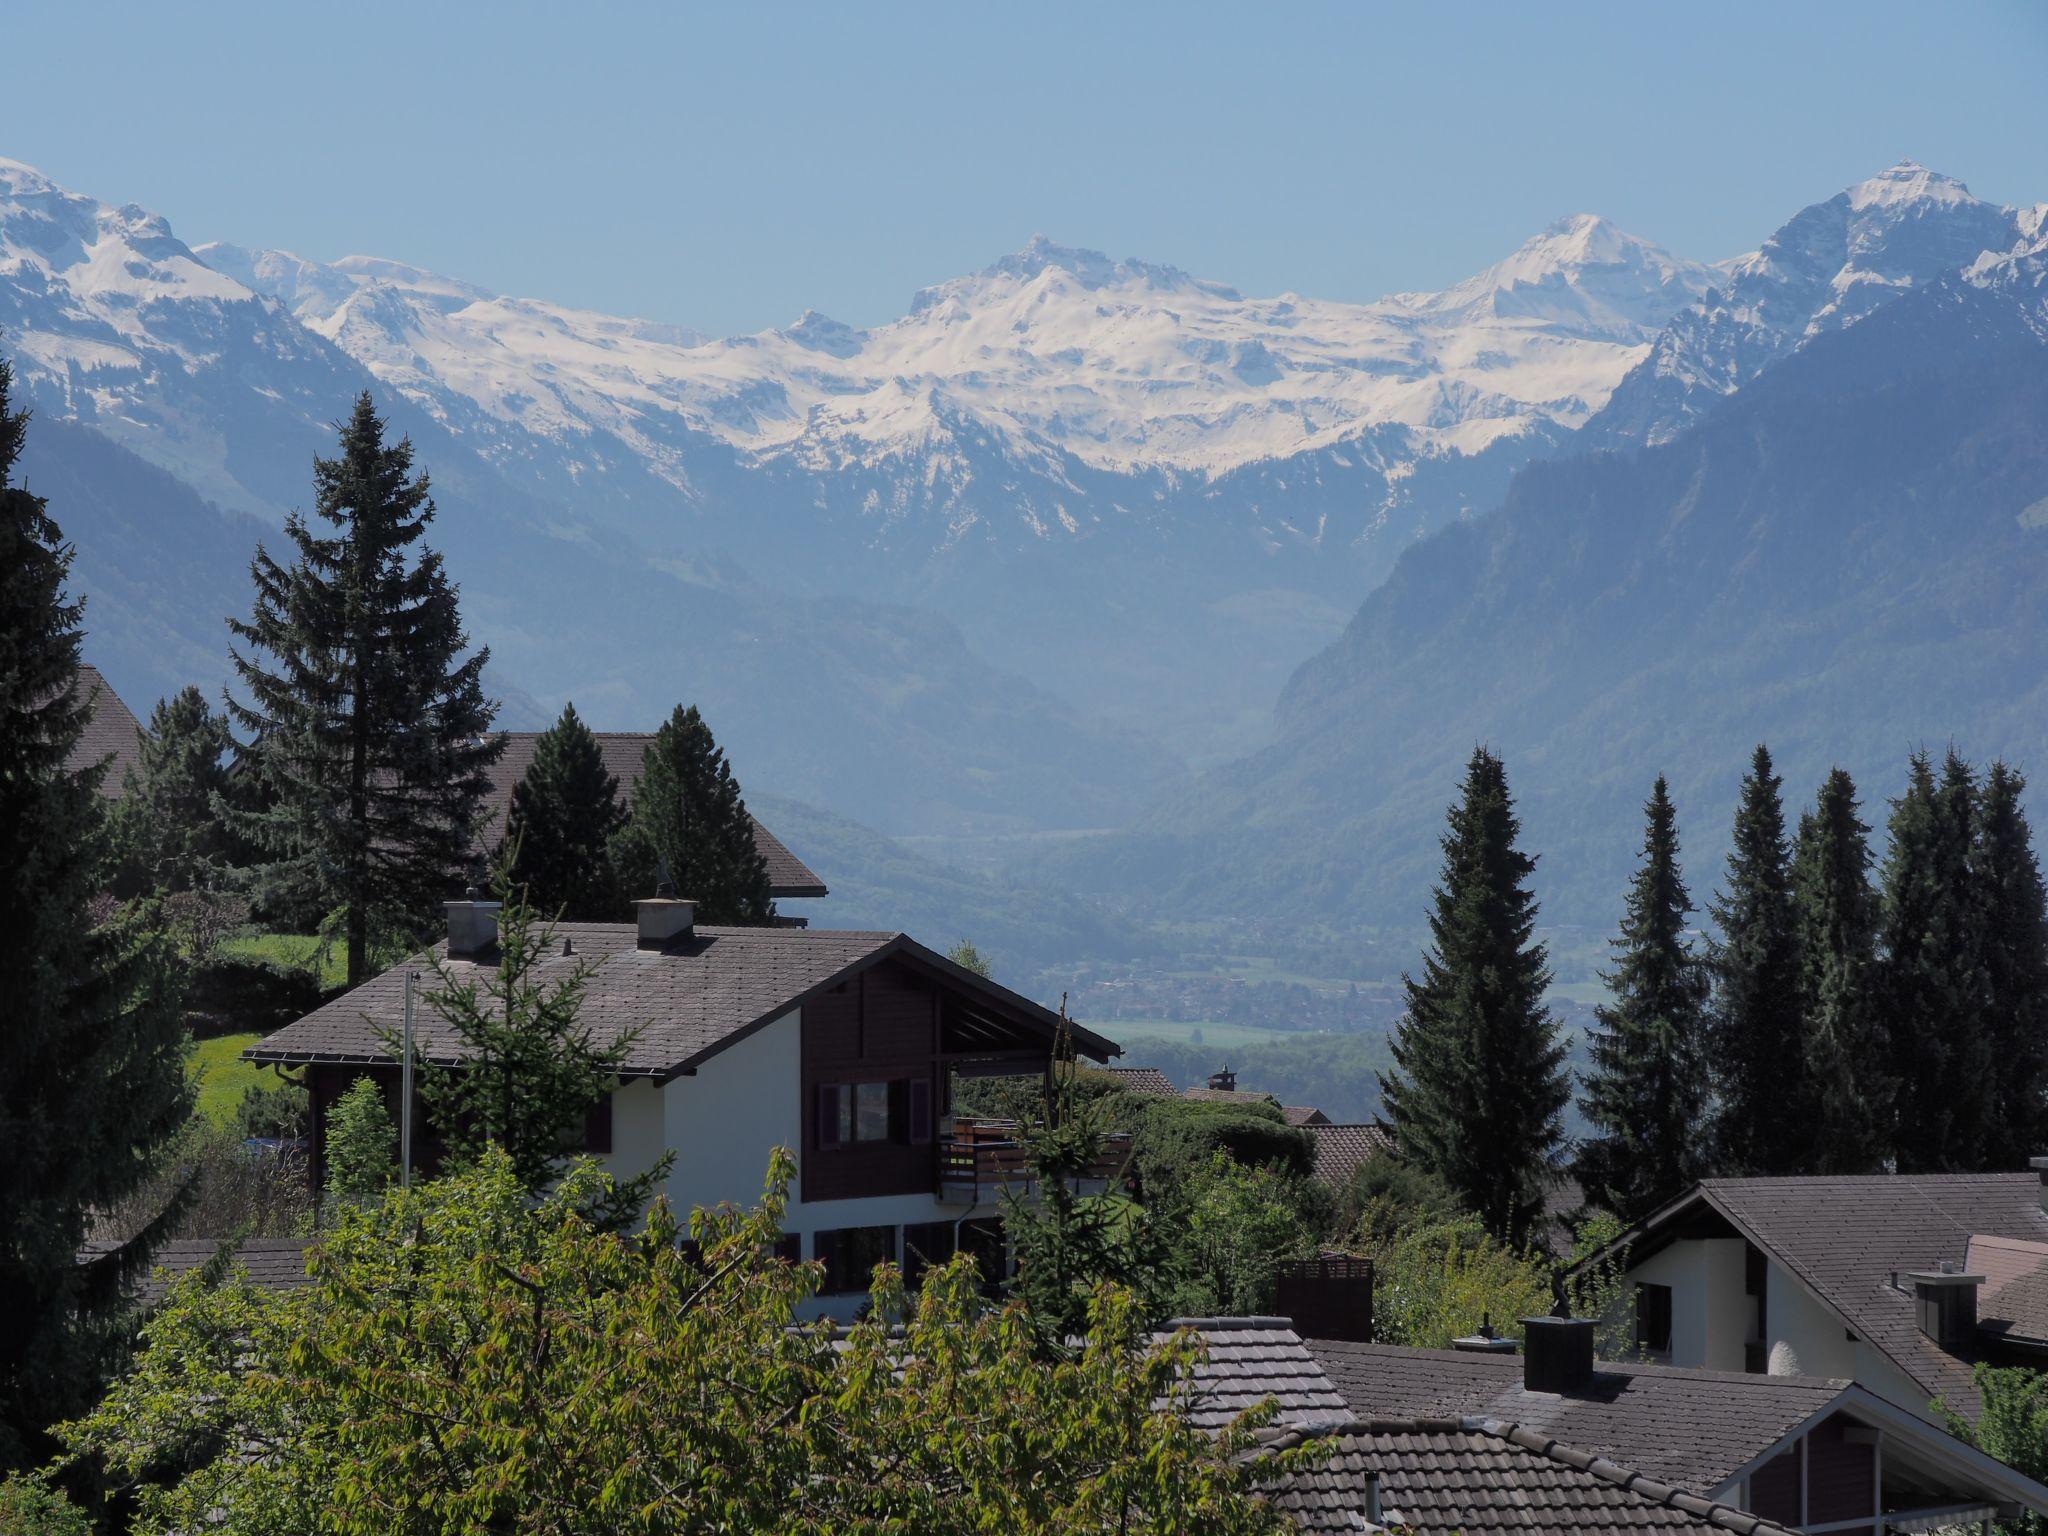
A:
1557,1354
472,924
664,919
1224,1081
1946,1305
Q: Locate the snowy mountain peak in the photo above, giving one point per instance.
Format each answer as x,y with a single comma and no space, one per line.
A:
1908,182
1092,271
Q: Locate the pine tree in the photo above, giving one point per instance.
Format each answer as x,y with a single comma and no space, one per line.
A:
92,1073
1753,1032
688,816
1479,1088
2013,928
370,728
1845,1054
1646,1096
565,813
1932,986
362,1145
171,835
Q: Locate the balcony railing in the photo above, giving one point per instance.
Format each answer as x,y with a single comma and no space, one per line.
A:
979,1159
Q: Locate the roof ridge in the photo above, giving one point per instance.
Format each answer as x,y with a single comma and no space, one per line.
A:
1643,1486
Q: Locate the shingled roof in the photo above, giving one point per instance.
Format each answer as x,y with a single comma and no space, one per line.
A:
1436,1476
1149,1081
112,734
1693,1428
689,999
1341,1150
1843,1238
1251,1359
271,1263
788,875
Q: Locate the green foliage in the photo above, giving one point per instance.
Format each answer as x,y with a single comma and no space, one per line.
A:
1478,1090
558,835
1836,915
1174,1142
1236,1225
1386,1196
1599,1286
280,1109
29,1506
1931,982
688,817
2012,1427
1646,1094
92,1075
369,728
170,835
1337,1073
966,956
529,1070
362,1145
1762,1122
2013,935
466,1359
1439,1281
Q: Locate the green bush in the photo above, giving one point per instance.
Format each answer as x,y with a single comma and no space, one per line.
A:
1240,1222
1173,1141
31,1507
1435,1283
237,993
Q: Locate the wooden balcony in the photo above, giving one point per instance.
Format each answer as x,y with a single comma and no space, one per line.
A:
979,1159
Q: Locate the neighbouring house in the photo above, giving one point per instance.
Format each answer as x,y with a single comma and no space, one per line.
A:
1148,1081
1341,1150
112,734
1899,1282
1300,1115
788,876
1222,1089
844,1047
270,1263
1807,1453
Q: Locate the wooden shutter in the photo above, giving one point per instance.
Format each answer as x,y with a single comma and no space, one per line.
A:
829,1096
920,1112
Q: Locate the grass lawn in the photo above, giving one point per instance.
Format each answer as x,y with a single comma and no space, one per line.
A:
293,949
1182,1032
222,1075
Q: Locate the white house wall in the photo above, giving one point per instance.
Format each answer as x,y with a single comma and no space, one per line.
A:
1709,1310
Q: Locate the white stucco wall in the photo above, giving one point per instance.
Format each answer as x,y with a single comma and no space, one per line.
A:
1682,1267
1806,1339
722,1124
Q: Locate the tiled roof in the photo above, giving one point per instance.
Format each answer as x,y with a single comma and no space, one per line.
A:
1227,1096
688,1000
271,1263
2014,1301
1843,1237
1442,1475
1303,1114
1342,1149
1690,1427
112,734
1149,1081
788,875
1252,1359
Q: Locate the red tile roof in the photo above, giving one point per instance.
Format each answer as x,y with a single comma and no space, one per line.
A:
1149,1081
788,875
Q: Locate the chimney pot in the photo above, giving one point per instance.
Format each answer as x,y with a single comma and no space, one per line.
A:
1225,1081
1557,1354
1945,1305
472,925
664,919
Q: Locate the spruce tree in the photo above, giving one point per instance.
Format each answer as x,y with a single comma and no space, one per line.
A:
369,726
1647,1093
1478,1089
92,1071
1845,1054
171,833
2013,933
565,813
689,818
1753,1032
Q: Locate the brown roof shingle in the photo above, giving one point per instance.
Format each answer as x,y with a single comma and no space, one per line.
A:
788,875
1341,1150
1251,1359
1149,1081
1437,1476
112,734
271,1263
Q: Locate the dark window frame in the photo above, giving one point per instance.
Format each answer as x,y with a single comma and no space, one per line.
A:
850,1255
1653,1318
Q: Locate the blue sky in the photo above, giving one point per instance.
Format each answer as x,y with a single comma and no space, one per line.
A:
728,168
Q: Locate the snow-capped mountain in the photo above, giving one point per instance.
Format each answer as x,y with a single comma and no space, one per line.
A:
1831,265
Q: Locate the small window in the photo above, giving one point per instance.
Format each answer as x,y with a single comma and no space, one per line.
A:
925,1244
873,1112
597,1126
1653,1319
788,1248
870,1112
850,1255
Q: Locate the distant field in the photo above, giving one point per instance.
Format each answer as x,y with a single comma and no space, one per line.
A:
223,1076
1181,1032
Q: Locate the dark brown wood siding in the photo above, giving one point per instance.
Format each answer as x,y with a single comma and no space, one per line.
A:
881,1026
1839,1476
1774,1488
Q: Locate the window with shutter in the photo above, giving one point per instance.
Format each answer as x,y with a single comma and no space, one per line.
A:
920,1113
831,1101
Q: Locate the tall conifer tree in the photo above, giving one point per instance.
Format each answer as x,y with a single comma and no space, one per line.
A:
1753,1032
1646,1096
369,724
1846,1058
2013,928
1479,1088
1932,982
565,813
170,832
92,1054
688,816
